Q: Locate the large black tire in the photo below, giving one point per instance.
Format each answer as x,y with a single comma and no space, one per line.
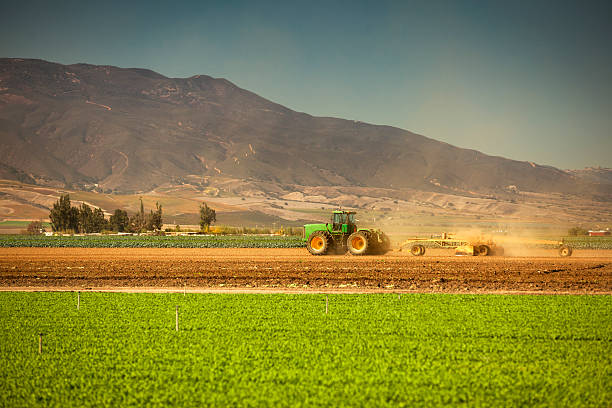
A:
318,243
565,250
484,250
358,243
417,250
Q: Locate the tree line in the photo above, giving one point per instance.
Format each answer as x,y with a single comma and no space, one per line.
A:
66,218
83,219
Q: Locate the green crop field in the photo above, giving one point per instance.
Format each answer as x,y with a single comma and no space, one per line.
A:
19,225
589,242
145,241
283,350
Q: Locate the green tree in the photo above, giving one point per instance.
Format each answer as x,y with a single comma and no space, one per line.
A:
138,222
576,231
35,228
63,216
98,222
119,221
155,221
85,218
91,220
207,216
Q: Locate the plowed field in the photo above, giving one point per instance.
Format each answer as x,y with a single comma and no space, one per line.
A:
296,270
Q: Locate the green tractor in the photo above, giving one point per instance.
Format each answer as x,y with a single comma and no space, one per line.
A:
342,235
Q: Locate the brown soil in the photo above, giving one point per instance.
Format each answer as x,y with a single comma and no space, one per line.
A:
294,270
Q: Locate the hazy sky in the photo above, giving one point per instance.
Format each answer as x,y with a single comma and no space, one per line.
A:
528,80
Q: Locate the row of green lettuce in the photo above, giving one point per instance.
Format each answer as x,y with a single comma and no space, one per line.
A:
209,241
150,241
280,350
589,242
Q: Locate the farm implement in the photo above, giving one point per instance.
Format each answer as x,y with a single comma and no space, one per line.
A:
342,235
477,246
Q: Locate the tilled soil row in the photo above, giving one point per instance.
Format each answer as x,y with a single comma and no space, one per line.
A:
293,268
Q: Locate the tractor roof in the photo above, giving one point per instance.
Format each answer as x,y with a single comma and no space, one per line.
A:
344,212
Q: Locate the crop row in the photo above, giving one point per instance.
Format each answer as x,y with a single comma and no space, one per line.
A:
285,350
589,242
144,241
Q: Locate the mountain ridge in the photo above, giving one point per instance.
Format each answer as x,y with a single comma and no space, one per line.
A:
132,129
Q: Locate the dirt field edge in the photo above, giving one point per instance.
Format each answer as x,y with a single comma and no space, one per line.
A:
289,291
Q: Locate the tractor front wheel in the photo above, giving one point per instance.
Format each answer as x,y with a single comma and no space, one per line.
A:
318,243
357,243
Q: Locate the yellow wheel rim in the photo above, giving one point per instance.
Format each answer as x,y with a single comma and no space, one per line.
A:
317,243
358,243
564,252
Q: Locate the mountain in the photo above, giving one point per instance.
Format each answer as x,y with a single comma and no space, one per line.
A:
130,130
599,175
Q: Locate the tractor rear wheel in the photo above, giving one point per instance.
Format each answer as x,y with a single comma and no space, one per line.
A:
318,243
358,243
565,250
417,250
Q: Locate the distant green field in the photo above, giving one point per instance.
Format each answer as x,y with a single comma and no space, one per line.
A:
589,242
283,350
144,241
18,224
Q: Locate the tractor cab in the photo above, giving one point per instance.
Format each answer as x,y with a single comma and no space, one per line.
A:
343,221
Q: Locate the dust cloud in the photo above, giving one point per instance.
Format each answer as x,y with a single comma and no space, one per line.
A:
514,242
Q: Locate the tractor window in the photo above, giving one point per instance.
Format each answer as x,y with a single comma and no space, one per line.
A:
337,219
351,218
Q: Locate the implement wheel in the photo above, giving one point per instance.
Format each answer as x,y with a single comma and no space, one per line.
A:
417,250
484,250
318,243
357,243
565,250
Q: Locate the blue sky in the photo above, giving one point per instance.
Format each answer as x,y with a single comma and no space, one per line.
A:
528,80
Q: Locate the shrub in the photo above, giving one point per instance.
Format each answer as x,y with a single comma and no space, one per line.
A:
35,228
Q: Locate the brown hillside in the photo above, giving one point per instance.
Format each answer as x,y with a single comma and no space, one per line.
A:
135,130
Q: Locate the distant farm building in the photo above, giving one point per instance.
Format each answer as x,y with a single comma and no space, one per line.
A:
599,233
